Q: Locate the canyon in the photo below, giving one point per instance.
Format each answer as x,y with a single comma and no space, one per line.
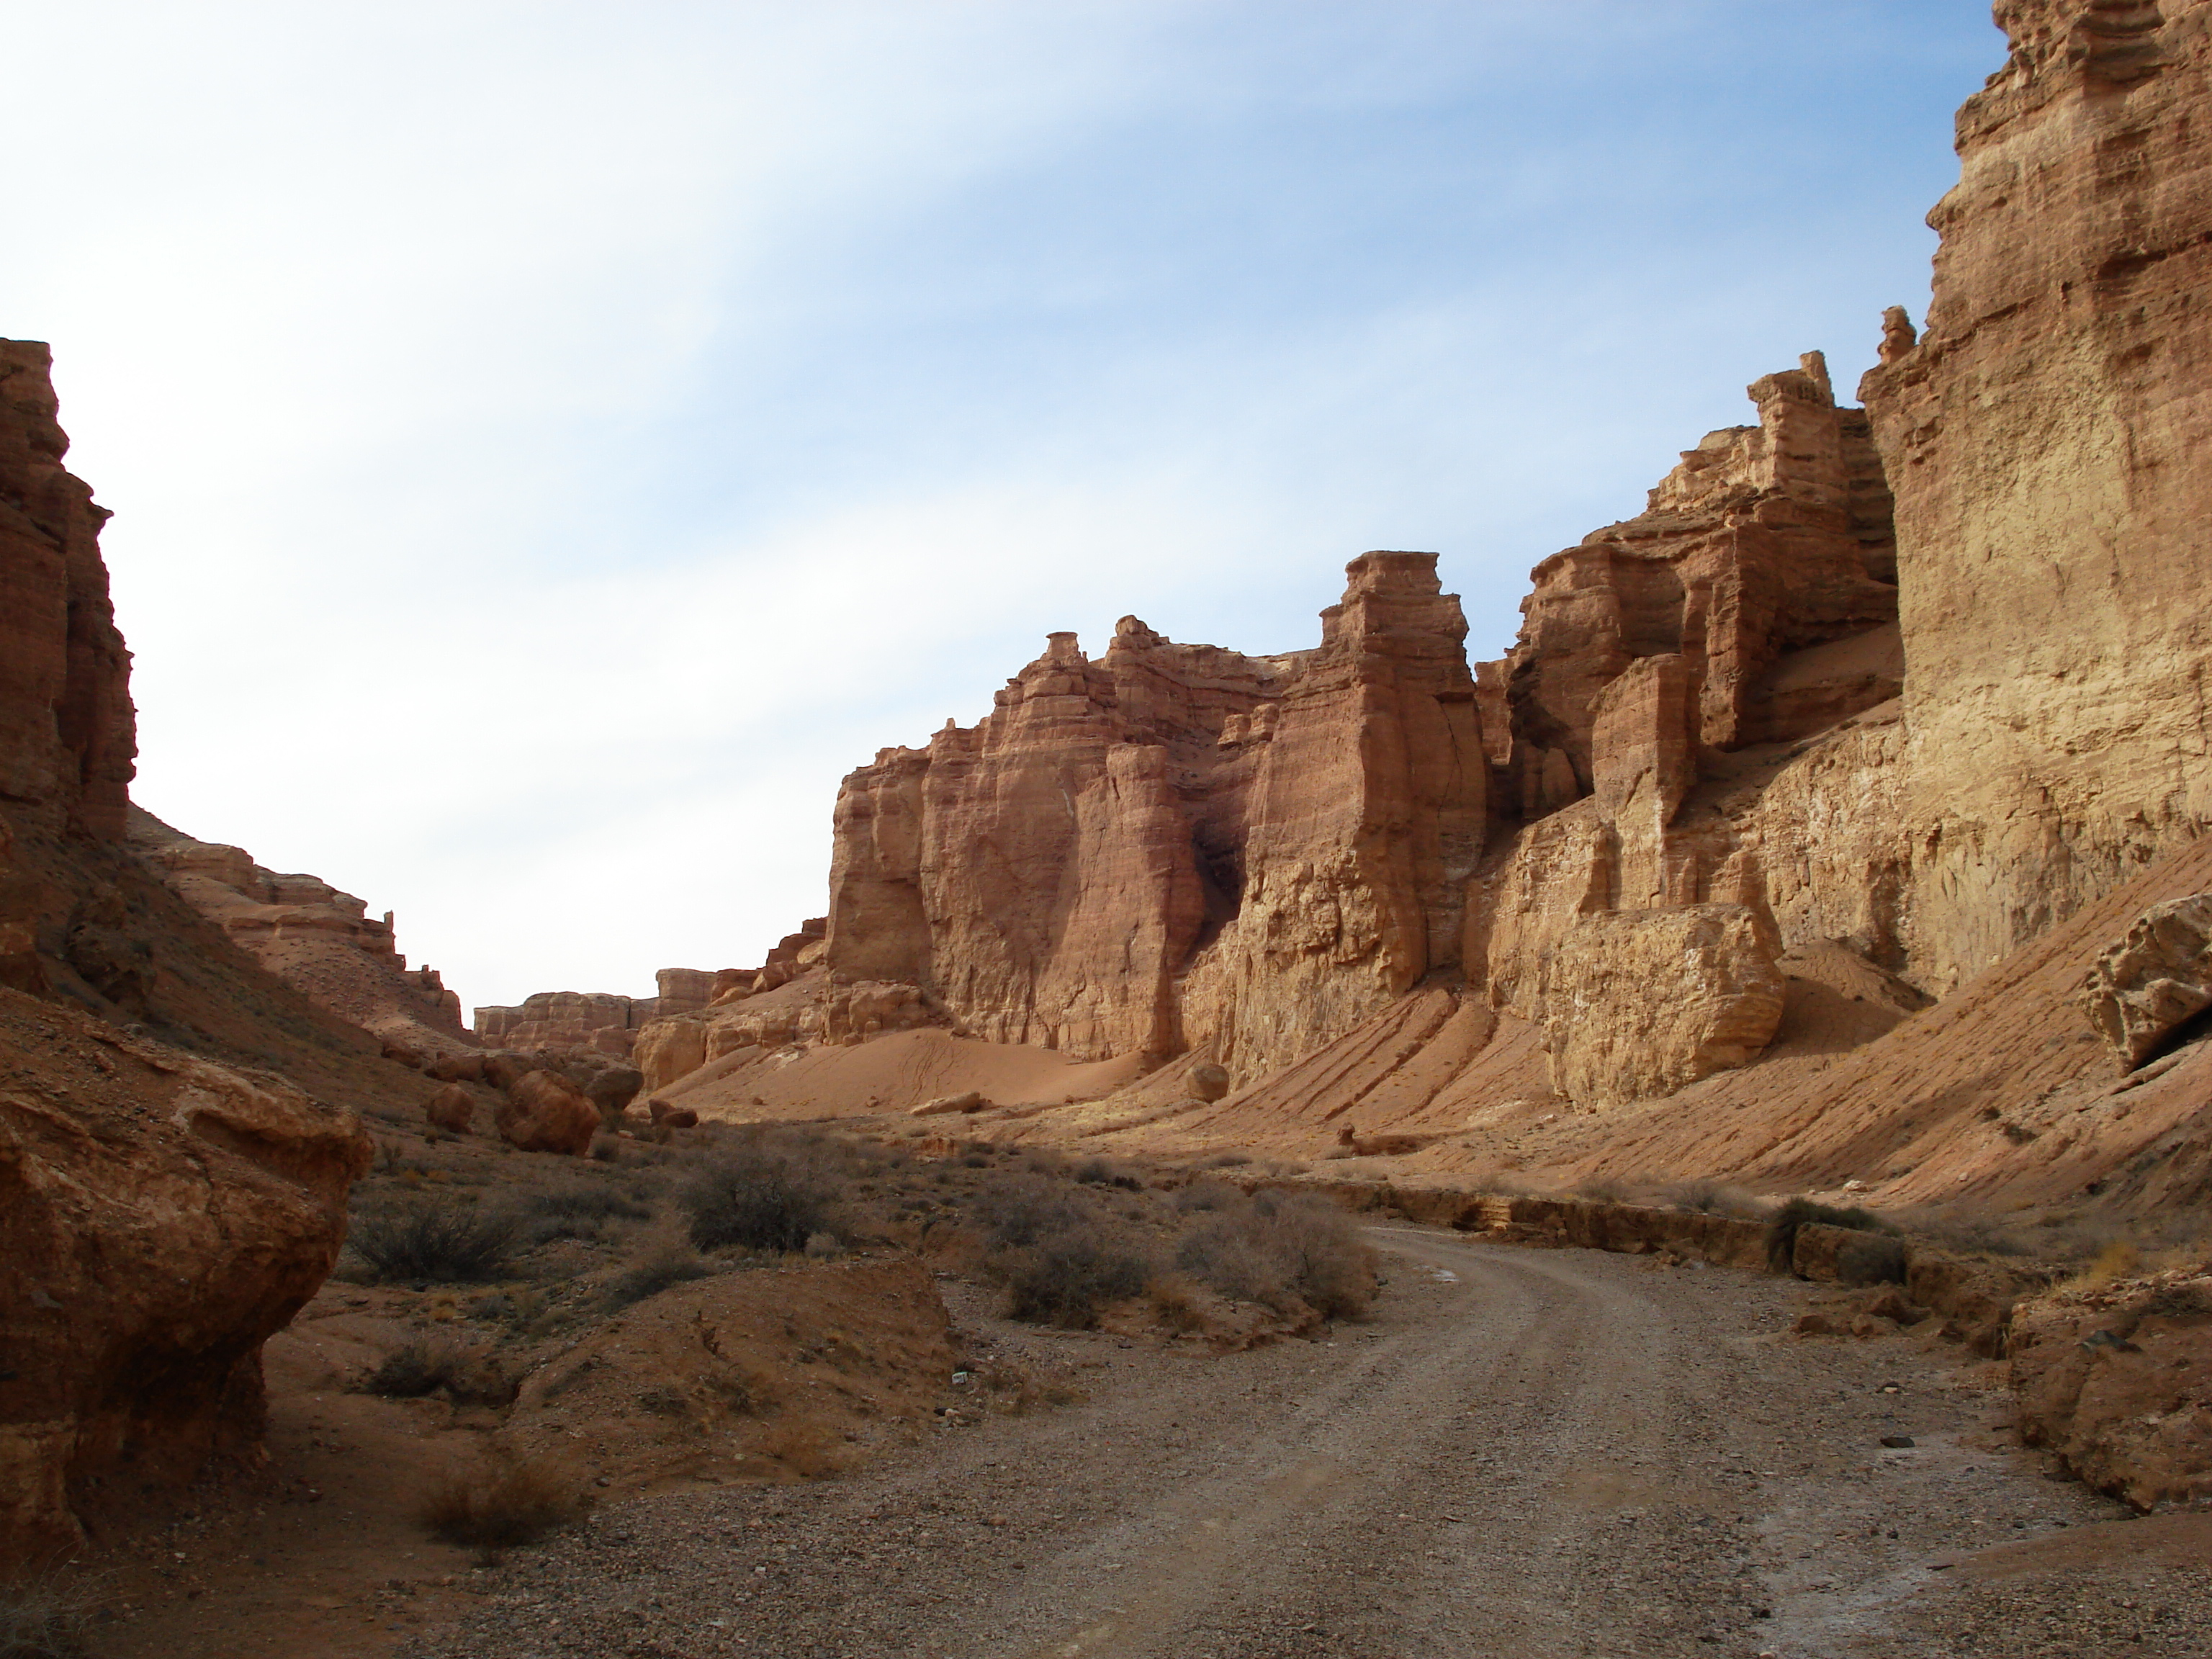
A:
1835,826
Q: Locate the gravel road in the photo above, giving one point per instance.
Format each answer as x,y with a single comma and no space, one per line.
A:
1530,1452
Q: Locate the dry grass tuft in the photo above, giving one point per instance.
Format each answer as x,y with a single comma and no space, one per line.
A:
502,1507
46,1615
468,1373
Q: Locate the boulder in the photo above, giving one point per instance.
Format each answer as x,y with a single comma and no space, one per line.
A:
614,1089
543,1112
160,1216
1208,1081
1638,1004
457,1068
453,1109
969,1102
2153,979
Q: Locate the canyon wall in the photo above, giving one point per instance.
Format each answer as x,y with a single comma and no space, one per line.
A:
1179,843
2046,437
68,733
321,942
167,1199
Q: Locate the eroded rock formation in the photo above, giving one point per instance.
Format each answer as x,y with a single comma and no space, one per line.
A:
68,733
1180,843
321,942
2044,436
160,1216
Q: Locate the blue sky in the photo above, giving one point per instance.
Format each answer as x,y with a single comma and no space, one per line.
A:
551,443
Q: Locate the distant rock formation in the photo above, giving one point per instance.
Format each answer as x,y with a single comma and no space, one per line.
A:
318,940
1179,842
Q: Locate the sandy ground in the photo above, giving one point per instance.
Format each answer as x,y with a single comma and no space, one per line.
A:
1524,1452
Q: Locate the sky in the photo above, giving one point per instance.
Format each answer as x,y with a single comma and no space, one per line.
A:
552,442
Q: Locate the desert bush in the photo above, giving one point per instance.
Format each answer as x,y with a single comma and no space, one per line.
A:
755,1198
1098,1172
1601,1189
597,1201
1225,1160
1782,1231
443,1244
651,1278
1019,1214
499,1508
1206,1195
45,1616
1280,1251
1877,1259
1067,1277
469,1374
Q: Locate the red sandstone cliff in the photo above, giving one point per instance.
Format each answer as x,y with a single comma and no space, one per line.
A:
167,1200
319,941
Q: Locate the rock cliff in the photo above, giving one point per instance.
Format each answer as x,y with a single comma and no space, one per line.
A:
1179,843
2044,436
166,1200
319,941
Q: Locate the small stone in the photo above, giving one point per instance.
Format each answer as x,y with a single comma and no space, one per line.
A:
1897,1441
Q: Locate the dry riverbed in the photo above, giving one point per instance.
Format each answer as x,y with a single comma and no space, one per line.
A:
1524,1452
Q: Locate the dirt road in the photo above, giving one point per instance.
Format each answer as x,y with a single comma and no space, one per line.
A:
1526,1452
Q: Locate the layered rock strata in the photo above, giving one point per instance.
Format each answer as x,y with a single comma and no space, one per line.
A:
317,939
1179,842
68,733
2044,436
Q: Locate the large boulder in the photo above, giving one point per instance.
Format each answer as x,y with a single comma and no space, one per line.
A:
614,1089
453,1109
543,1112
2153,979
159,1217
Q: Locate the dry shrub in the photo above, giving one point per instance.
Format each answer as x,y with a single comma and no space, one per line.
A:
444,1245
1226,1160
651,1278
1283,1250
1206,1195
46,1615
469,1374
1069,1277
502,1506
1714,1198
755,1198
2116,1260
1174,1303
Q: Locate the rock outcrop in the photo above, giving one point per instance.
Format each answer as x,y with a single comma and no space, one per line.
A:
160,1216
2045,437
544,1112
317,939
595,1019
2147,985
68,733
1180,843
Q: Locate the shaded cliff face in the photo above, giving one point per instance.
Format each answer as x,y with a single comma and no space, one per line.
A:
2046,438
1179,843
319,941
68,734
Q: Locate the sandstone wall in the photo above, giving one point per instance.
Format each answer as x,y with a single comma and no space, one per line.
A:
319,940
2046,438
68,733
1179,844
